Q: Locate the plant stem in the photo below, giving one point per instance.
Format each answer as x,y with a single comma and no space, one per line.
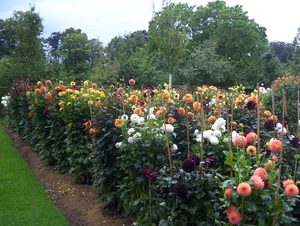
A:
280,166
258,118
229,129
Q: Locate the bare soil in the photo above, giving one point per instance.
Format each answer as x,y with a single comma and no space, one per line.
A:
78,203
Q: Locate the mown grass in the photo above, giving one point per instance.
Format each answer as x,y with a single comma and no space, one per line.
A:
23,200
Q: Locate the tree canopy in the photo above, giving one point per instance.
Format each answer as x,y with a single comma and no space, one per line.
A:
213,44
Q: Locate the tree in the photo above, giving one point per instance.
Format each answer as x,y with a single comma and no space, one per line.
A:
23,46
120,51
7,43
53,43
283,51
75,50
205,66
168,35
239,39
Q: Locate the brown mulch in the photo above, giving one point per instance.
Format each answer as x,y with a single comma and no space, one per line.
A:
78,203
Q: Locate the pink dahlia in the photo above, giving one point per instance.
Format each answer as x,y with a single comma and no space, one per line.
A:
228,193
259,184
262,172
275,146
244,189
251,137
240,141
291,190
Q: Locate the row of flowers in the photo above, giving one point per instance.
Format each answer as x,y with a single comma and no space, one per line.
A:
173,157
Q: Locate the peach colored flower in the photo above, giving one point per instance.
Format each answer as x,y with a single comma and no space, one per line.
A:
119,123
259,184
275,146
138,111
48,83
220,97
48,96
37,91
166,95
98,104
235,217
288,182
133,98
190,115
212,119
251,150
181,111
267,114
43,89
171,120
238,102
262,172
251,137
228,193
39,83
196,106
240,141
230,210
188,98
291,190
94,85
269,165
275,158
244,189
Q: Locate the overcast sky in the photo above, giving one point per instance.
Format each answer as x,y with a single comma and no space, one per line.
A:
105,19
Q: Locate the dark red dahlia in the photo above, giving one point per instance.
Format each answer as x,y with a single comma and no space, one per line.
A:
295,142
209,163
251,105
196,159
181,190
149,175
269,125
46,112
188,165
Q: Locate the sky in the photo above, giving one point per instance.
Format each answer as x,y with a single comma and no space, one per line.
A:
105,19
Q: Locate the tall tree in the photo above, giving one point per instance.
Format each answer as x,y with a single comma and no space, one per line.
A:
239,38
168,35
23,32
75,50
53,43
283,51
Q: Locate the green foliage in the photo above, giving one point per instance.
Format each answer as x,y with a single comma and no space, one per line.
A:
205,66
27,56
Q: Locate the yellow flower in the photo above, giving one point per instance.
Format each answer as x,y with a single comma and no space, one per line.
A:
70,124
90,102
86,83
61,93
72,84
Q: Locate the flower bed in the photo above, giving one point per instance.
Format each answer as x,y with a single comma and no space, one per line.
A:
172,157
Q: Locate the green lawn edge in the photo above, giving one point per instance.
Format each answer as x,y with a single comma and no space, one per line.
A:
23,200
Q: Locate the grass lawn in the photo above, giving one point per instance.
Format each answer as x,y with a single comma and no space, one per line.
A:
23,200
